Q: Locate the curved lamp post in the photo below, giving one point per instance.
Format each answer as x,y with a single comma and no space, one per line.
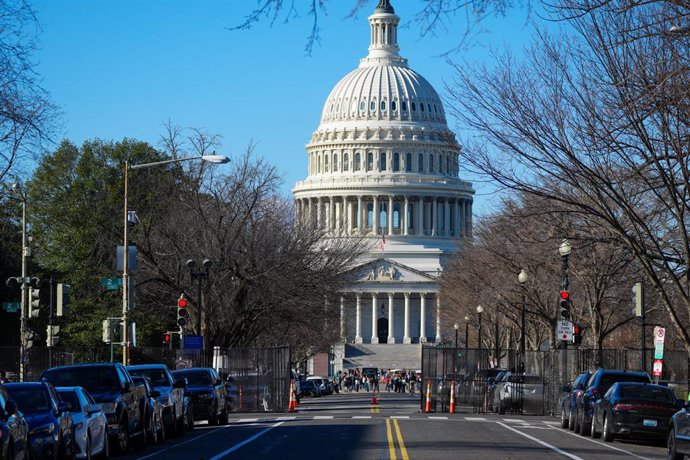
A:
480,310
522,279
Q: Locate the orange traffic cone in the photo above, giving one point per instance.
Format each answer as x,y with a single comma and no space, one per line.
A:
427,408
293,400
452,397
374,399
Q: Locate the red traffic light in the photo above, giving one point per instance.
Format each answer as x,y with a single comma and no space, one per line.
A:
166,338
182,302
565,295
576,330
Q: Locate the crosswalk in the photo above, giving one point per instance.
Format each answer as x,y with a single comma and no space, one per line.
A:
522,423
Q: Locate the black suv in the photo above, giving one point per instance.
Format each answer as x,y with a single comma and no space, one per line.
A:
171,395
111,386
208,393
597,385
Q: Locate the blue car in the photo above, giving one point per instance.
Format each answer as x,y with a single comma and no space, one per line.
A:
568,405
51,431
14,432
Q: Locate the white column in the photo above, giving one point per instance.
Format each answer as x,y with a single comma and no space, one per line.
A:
419,226
406,225
456,217
422,319
331,214
406,337
374,322
390,214
342,319
360,220
358,319
391,319
377,218
462,218
469,218
434,217
446,218
319,217
438,318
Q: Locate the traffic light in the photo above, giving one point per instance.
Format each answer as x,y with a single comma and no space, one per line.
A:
52,337
107,331
638,299
182,313
63,298
29,338
577,334
564,303
34,302
167,340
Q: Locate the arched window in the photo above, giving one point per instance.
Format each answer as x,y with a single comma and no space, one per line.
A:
396,216
318,164
383,105
346,161
383,161
362,105
370,215
383,215
370,161
325,162
448,171
335,162
431,162
410,215
358,161
440,164
414,106
394,105
372,105
396,162
420,162
408,162
421,106
404,106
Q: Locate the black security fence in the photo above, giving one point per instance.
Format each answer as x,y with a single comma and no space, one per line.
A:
484,383
257,379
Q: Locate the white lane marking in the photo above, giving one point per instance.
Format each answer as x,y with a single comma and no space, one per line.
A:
539,441
399,416
361,416
286,419
604,444
246,441
182,443
513,420
323,417
438,418
475,419
247,420
552,423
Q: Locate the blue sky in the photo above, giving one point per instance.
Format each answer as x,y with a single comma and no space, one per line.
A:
121,68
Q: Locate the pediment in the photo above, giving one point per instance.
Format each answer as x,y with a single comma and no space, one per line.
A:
388,271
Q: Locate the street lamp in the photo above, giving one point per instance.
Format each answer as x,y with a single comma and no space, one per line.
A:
199,274
456,327
480,309
497,345
467,335
214,159
522,279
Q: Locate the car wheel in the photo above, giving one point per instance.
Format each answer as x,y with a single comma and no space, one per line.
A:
172,428
152,431
607,435
671,448
224,416
213,419
181,424
564,419
584,426
593,429
123,436
87,450
571,421
105,453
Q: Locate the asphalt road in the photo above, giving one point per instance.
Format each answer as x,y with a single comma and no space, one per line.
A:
347,426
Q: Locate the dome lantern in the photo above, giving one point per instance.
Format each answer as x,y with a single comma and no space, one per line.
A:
384,36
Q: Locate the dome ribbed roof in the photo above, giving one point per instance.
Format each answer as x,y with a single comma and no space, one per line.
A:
383,92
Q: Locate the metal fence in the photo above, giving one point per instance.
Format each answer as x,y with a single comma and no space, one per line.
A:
257,379
539,390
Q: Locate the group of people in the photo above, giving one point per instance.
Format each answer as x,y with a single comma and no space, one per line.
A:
399,381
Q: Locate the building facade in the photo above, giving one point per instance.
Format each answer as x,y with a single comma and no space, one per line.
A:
383,164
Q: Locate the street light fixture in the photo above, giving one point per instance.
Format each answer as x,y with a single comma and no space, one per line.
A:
480,309
522,279
214,159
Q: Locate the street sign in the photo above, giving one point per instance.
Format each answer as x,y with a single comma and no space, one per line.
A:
659,334
659,351
193,342
11,307
564,330
111,284
658,364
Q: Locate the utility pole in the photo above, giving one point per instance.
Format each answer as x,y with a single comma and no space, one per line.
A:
24,358
51,309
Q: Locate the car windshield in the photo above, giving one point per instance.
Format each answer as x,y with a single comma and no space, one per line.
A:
608,380
195,377
664,395
30,400
158,377
307,384
98,379
70,396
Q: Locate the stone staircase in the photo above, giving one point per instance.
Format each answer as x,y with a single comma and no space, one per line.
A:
383,356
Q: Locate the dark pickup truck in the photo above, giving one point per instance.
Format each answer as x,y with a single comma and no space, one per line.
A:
111,386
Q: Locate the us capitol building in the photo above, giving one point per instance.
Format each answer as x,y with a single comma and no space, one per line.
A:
384,164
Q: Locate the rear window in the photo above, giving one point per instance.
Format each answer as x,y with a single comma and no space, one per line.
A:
664,395
30,400
158,377
610,379
97,379
195,378
72,398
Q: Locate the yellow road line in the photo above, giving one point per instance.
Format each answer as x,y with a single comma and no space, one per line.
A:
403,451
391,442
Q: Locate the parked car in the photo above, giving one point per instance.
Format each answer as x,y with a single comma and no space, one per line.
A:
322,384
207,392
51,431
492,394
111,386
14,431
171,395
597,385
678,440
308,389
572,391
480,382
153,415
519,391
90,423
634,410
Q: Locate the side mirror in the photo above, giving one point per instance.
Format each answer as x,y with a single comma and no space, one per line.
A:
64,407
93,408
10,407
180,383
155,393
